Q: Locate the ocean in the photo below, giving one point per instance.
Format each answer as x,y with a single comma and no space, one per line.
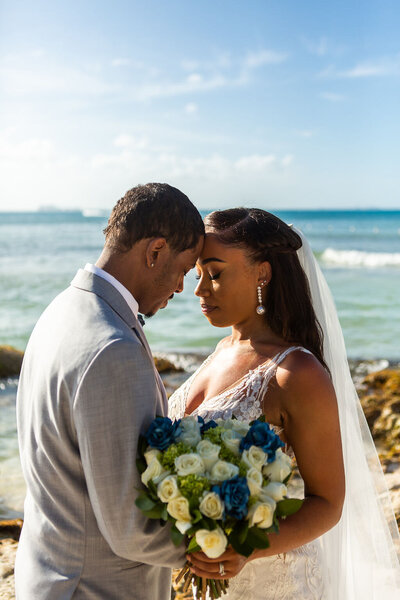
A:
359,252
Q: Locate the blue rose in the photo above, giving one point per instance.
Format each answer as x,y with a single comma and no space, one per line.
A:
204,426
235,493
162,432
260,434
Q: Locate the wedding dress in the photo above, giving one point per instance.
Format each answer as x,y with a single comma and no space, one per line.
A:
358,559
295,575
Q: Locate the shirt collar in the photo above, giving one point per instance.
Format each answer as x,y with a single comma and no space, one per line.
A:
129,299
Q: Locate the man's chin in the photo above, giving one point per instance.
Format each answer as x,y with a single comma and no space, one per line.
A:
152,312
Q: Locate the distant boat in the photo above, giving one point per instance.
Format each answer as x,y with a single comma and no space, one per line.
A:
95,212
50,208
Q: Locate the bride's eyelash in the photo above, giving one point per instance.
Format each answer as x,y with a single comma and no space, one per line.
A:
212,277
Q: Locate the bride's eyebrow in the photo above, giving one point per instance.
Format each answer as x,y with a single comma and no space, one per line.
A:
211,259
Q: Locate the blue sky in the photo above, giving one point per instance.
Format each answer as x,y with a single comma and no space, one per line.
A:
279,104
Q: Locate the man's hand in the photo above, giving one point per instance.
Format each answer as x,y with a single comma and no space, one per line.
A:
209,568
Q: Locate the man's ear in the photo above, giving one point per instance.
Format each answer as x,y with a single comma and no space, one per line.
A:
264,273
155,250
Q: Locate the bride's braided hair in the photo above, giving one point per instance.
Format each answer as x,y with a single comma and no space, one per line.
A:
265,237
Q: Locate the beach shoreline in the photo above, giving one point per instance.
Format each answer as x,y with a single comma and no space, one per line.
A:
379,391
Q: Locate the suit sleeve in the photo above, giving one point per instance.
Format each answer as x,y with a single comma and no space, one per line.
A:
115,402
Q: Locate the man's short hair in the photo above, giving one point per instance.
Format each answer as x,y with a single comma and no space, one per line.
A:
154,210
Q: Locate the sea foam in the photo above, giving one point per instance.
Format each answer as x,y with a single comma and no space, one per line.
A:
357,258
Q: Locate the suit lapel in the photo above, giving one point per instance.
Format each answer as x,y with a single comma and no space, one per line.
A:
140,333
93,283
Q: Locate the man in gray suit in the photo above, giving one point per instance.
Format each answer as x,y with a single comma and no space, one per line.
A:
88,388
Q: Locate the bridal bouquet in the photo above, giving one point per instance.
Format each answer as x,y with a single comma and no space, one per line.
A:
218,482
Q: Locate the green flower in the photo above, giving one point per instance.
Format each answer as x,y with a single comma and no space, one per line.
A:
226,454
192,486
168,458
214,435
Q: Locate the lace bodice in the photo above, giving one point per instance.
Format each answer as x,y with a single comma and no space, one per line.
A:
242,400
297,575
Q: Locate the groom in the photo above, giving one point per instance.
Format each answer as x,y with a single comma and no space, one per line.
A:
88,388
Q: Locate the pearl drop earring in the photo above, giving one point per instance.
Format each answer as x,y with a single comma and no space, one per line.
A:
260,310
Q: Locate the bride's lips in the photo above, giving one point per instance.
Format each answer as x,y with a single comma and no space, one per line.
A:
206,308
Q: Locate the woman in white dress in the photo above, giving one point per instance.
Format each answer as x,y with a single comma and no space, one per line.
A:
276,363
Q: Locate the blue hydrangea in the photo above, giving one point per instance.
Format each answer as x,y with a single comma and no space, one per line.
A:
260,434
206,425
235,494
162,433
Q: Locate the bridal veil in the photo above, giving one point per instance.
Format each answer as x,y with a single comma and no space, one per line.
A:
362,550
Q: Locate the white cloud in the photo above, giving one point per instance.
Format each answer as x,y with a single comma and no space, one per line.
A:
322,46
171,164
192,84
221,61
255,162
120,62
127,141
305,133
384,67
194,78
287,160
191,108
373,70
31,149
23,78
332,96
316,47
263,57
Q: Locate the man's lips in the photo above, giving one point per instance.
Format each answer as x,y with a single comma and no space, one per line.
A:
206,308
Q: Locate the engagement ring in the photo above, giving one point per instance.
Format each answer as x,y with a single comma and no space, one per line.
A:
221,569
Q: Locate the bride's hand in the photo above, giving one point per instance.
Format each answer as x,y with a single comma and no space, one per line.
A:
203,566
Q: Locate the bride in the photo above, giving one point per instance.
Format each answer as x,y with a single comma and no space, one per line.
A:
286,359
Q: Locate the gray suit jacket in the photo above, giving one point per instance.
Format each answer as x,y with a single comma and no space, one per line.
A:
88,388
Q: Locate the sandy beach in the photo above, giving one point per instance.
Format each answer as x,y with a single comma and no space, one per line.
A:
380,397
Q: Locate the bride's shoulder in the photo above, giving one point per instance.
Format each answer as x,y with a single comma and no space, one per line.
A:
302,373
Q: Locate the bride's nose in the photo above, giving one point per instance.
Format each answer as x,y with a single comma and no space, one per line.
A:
201,289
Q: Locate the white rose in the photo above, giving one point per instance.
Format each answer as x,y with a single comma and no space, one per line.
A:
280,468
168,488
254,481
254,457
226,424
231,440
241,427
223,470
186,464
208,452
262,513
190,433
211,505
213,543
155,472
178,508
276,491
183,526
150,454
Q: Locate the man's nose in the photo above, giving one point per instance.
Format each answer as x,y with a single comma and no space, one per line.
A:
179,288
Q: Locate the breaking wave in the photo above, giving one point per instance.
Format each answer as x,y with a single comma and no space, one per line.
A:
358,258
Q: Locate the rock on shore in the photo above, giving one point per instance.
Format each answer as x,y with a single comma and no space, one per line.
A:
9,536
10,361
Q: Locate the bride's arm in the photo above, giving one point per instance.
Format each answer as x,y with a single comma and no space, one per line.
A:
308,408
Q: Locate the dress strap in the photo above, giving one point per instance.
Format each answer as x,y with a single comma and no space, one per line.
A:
274,364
